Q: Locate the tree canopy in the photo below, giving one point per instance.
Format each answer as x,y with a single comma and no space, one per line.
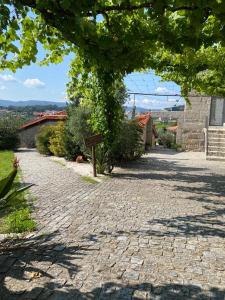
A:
181,40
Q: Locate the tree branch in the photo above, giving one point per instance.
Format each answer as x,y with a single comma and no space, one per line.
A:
128,7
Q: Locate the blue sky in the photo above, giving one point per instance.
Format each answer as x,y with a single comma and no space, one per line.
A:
49,83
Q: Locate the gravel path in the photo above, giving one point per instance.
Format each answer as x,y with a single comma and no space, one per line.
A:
156,230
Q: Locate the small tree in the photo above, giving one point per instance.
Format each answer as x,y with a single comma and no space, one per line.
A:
167,139
129,144
43,139
57,140
77,128
9,138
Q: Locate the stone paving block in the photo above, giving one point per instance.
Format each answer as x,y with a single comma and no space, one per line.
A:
160,221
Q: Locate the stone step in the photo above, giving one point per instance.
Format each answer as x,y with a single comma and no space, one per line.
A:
217,128
216,158
222,135
215,139
216,148
216,134
216,153
216,143
222,130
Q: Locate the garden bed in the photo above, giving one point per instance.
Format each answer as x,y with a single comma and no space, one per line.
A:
84,169
15,217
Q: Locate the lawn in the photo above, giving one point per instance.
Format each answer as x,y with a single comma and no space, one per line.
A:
15,217
165,124
6,159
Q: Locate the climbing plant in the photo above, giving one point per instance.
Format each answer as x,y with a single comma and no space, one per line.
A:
103,92
181,40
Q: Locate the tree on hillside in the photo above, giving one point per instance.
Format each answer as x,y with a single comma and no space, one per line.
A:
181,40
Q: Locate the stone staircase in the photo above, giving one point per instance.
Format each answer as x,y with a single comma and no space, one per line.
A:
216,144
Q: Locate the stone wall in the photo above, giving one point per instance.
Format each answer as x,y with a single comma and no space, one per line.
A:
190,132
167,115
27,135
148,135
191,122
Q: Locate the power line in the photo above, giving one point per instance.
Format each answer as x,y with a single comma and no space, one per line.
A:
163,95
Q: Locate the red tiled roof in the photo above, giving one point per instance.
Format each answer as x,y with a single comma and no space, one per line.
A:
143,119
42,114
56,117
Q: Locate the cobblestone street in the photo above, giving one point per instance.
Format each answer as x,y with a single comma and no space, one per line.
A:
154,230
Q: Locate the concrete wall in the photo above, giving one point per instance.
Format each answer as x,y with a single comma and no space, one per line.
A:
27,136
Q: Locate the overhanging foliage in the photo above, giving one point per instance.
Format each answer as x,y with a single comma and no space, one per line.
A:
181,40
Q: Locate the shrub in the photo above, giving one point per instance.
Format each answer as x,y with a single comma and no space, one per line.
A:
177,147
166,139
129,144
101,159
43,139
51,139
57,140
76,130
9,138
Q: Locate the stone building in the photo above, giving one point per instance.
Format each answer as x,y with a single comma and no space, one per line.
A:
149,132
30,129
201,126
190,131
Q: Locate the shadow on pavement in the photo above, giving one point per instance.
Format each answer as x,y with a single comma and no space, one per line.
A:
38,260
114,291
195,184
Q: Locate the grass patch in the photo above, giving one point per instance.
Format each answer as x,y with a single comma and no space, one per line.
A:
15,217
19,221
6,160
165,124
89,179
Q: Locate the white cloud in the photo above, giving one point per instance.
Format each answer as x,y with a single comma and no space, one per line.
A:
34,83
147,103
7,78
162,90
172,100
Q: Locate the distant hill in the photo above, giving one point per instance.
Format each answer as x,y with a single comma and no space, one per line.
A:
7,103
176,108
140,110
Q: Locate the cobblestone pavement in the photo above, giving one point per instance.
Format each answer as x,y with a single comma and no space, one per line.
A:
156,230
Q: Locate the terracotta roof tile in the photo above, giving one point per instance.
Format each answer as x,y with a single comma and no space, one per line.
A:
143,119
57,117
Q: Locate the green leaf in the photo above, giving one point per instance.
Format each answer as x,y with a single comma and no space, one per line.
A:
6,183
